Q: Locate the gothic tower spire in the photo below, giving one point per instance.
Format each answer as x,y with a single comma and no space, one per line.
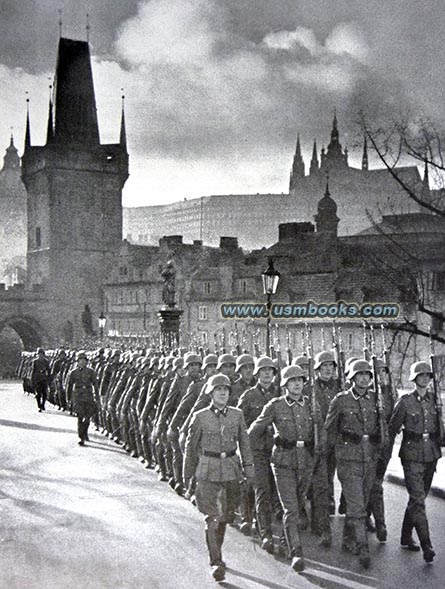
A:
426,192
50,124
314,168
123,133
75,103
28,128
298,170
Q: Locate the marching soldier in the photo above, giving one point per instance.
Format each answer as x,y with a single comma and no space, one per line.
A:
417,414
40,378
216,435
326,387
83,389
352,427
251,403
293,454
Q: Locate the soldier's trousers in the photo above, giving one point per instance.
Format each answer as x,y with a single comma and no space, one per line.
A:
356,478
418,479
331,465
266,497
376,505
291,483
177,459
41,394
320,496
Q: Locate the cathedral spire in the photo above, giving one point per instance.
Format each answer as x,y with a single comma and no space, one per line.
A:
123,133
298,170
28,128
50,124
334,132
365,162
314,161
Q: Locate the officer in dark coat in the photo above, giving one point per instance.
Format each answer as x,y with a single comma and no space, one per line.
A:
40,378
417,414
83,389
216,447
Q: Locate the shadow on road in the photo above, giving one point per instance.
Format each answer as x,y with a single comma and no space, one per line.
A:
33,426
261,582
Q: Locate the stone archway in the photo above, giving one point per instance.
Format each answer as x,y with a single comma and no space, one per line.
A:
29,330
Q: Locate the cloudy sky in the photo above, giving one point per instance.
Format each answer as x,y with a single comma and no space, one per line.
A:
217,90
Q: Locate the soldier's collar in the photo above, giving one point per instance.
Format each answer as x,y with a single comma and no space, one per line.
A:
426,396
357,396
217,411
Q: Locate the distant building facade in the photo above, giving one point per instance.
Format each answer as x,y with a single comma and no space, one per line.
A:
360,194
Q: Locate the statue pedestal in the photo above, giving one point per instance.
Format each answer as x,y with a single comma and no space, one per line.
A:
169,318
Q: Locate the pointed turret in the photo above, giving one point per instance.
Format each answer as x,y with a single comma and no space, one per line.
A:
298,170
11,160
123,133
335,158
50,124
28,127
314,168
334,132
365,162
75,103
426,192
326,218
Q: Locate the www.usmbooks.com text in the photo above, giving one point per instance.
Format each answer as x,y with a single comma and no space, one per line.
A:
311,310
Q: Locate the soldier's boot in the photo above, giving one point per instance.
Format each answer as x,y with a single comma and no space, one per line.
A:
220,533
361,537
297,560
326,538
423,532
406,536
264,522
349,544
214,548
381,532
363,556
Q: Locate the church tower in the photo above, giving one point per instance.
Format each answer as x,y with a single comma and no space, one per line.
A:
334,159
326,219
74,185
297,167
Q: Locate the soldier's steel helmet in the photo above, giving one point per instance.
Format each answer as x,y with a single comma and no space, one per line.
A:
244,360
190,358
218,380
178,363
359,366
291,372
300,361
81,354
264,362
419,368
210,360
225,359
322,357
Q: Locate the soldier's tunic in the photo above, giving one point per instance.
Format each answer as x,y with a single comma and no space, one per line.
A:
352,427
83,389
251,403
293,458
216,441
419,452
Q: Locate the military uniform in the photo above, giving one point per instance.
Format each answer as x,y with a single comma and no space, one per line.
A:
82,388
211,457
40,378
419,452
293,458
251,403
353,429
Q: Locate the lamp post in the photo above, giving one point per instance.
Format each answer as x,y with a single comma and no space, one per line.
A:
102,322
270,278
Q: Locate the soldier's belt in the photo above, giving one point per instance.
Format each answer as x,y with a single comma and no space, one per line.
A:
418,437
288,445
357,438
218,454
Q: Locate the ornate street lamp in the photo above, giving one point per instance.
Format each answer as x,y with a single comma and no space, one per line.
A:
102,322
270,278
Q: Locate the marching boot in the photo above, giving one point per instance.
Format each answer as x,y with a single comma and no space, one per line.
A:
214,534
297,562
220,533
349,543
381,531
406,537
363,556
361,538
423,532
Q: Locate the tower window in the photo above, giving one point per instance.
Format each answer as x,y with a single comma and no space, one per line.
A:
207,288
203,313
38,237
